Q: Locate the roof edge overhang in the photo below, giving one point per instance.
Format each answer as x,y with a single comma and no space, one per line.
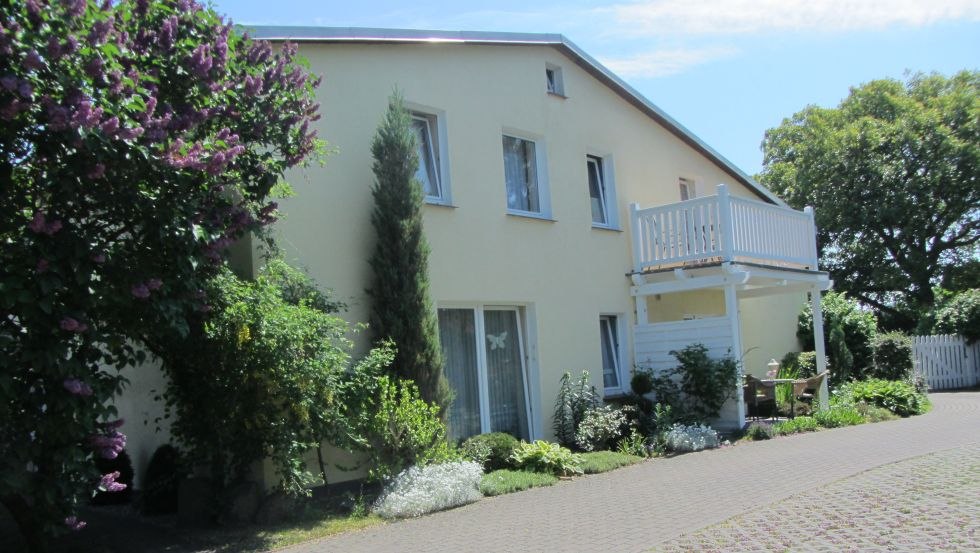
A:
366,35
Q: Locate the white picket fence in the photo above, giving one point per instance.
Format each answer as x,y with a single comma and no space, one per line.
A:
947,361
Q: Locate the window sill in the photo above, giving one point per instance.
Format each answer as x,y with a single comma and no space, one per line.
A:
606,227
437,203
529,215
615,395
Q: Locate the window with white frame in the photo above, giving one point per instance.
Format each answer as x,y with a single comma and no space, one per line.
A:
483,348
553,79
429,172
686,188
602,191
522,176
612,375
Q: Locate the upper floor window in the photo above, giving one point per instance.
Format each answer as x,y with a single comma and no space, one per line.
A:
686,188
521,175
602,193
427,143
553,79
597,190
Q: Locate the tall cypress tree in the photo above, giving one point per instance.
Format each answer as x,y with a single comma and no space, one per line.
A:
401,309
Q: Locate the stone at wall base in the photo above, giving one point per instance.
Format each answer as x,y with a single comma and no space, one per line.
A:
194,502
279,507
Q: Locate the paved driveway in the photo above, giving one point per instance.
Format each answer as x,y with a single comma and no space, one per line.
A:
663,503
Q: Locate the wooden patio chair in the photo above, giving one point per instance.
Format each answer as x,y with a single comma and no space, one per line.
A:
760,398
806,389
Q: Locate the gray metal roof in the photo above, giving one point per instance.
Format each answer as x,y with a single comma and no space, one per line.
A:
585,61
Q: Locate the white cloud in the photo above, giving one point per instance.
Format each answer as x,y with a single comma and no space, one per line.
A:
657,17
661,63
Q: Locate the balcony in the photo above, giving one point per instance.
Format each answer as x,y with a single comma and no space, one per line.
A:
722,229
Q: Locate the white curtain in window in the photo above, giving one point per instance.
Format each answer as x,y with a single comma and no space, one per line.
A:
610,352
426,172
520,173
505,373
597,190
457,332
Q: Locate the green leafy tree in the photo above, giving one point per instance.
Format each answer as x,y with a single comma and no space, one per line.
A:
892,173
848,333
959,314
257,377
401,309
138,140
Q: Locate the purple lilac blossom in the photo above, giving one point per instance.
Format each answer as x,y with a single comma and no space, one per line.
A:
140,291
108,483
154,284
73,523
97,172
108,445
33,60
77,387
76,8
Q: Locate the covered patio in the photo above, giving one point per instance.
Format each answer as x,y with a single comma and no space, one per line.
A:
703,268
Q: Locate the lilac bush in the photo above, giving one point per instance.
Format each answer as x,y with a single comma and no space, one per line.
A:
138,140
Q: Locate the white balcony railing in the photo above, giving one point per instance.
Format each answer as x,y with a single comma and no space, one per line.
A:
722,228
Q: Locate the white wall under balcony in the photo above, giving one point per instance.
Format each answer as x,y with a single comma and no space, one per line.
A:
654,342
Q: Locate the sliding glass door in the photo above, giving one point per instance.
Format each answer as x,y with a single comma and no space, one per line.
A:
483,348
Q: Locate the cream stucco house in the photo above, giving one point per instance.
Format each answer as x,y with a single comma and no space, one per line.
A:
573,224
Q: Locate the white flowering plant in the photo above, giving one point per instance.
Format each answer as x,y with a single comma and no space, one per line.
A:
600,428
683,438
420,490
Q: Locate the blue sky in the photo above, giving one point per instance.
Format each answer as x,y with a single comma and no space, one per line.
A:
726,69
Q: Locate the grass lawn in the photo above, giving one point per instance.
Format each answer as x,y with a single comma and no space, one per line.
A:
119,529
504,481
256,539
603,461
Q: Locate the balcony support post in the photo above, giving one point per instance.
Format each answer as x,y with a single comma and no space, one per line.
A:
819,347
731,310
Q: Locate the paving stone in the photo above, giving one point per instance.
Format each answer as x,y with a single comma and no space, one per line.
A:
906,485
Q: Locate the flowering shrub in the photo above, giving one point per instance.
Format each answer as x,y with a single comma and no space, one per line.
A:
542,456
138,140
682,438
600,428
420,490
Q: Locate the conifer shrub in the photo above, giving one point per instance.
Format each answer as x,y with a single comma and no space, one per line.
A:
401,309
161,481
493,450
892,354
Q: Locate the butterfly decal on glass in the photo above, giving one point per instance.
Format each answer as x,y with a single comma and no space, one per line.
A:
499,341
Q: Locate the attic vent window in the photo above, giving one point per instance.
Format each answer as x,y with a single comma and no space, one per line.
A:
554,80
